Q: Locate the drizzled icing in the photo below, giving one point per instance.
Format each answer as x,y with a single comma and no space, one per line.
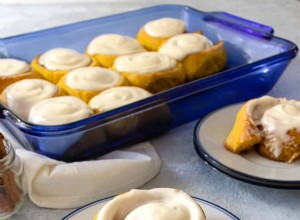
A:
92,78
155,204
146,62
12,67
114,44
59,110
22,95
184,44
277,116
63,59
165,27
117,97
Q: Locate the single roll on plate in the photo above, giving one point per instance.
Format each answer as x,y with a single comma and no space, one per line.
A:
198,55
59,110
13,70
107,47
22,95
155,32
55,63
152,71
87,82
154,204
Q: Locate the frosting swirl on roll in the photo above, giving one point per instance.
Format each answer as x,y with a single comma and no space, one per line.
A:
59,110
114,44
165,27
63,59
117,97
155,204
184,44
22,95
146,62
92,78
12,67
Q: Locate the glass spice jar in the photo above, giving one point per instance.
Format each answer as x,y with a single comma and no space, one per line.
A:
11,193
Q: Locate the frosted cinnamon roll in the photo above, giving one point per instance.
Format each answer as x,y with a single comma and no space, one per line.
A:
116,97
155,32
151,71
154,204
87,82
270,124
22,95
13,70
106,48
59,110
198,55
55,63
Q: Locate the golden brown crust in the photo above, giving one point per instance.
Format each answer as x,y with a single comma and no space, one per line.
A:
149,42
106,61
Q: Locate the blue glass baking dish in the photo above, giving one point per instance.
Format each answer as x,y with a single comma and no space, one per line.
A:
256,59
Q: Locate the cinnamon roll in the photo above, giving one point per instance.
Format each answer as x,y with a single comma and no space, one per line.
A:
155,32
55,63
154,204
59,110
271,125
87,82
22,95
106,48
198,55
13,70
151,71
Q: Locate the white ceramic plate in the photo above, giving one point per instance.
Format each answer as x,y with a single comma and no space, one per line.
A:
210,134
212,211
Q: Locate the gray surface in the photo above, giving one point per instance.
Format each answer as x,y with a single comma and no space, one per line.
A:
181,168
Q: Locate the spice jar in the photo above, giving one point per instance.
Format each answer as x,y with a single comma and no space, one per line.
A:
11,193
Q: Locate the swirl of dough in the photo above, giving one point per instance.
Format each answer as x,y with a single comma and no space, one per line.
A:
63,59
184,44
114,44
92,78
59,110
146,62
117,97
155,204
12,67
165,27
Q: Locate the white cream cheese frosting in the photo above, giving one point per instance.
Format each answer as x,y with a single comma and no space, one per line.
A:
165,27
59,110
12,67
22,95
116,97
182,45
63,59
92,78
277,116
154,204
146,62
114,44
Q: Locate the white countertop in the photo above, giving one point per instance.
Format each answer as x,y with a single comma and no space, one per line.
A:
181,166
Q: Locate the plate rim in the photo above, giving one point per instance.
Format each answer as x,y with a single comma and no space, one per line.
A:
223,210
216,164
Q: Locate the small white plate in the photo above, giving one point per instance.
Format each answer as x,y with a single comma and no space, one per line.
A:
212,211
210,134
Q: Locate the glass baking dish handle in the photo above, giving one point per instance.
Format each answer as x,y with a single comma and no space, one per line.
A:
241,24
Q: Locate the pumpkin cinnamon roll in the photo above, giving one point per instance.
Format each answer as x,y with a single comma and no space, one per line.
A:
57,62
154,204
22,95
106,48
87,82
13,70
151,71
269,125
154,33
198,55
